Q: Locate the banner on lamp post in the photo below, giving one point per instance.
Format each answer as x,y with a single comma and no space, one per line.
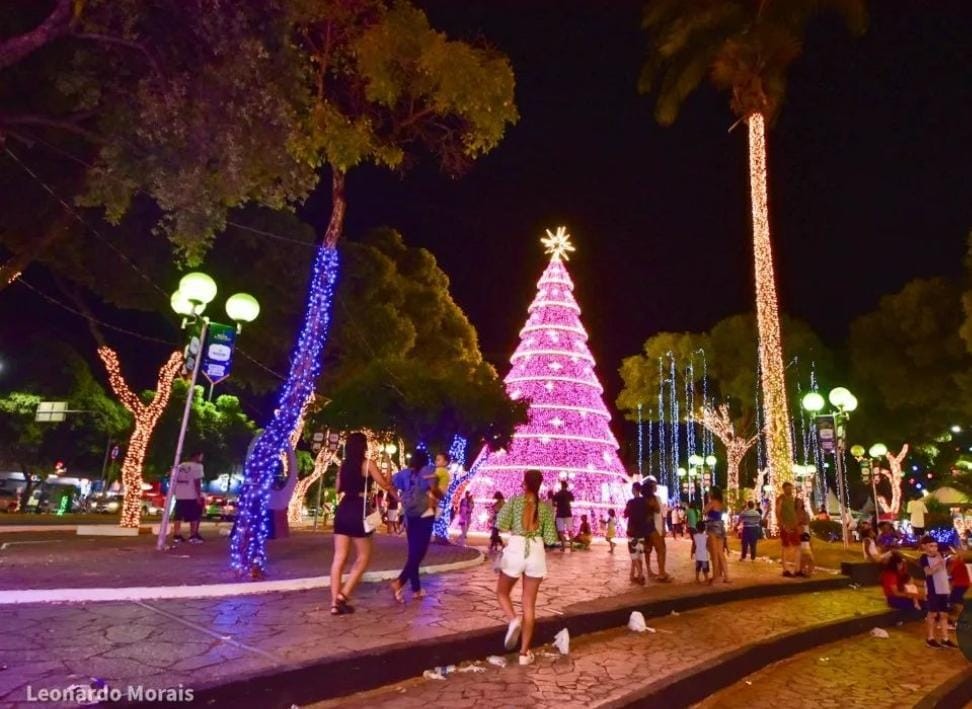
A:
217,357
826,434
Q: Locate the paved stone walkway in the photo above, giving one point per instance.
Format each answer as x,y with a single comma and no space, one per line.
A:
857,673
606,666
35,560
195,642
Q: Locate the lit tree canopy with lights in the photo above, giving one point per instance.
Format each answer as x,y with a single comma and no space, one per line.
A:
567,435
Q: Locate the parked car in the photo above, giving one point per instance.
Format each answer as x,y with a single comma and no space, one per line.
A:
9,501
220,507
104,502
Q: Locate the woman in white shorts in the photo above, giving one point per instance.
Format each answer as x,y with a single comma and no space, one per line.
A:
531,526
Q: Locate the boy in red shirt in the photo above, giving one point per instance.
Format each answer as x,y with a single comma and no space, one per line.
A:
958,576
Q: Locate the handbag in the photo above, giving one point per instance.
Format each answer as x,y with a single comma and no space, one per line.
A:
372,521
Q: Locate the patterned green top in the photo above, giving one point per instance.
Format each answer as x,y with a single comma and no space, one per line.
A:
510,519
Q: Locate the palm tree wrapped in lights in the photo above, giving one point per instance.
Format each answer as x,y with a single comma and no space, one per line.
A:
746,47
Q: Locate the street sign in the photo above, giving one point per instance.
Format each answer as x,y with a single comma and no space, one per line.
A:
51,411
218,354
826,433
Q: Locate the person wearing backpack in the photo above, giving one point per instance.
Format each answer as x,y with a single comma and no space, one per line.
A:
415,483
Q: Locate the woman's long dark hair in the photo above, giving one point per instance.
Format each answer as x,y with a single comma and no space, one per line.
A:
715,493
418,460
355,448
532,480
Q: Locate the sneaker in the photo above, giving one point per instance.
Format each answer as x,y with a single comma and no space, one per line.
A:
933,643
513,634
196,539
178,539
948,643
526,659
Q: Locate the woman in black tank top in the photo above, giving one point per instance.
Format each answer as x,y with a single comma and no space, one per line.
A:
349,520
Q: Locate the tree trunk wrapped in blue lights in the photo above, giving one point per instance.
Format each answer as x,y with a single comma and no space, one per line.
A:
248,546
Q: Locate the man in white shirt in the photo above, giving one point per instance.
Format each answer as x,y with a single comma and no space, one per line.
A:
187,491
917,510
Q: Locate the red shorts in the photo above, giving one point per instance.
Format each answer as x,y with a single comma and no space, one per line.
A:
789,538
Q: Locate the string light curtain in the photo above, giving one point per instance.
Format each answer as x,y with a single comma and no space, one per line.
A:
146,416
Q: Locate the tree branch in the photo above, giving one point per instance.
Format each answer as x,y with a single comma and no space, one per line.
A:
121,42
57,23
69,124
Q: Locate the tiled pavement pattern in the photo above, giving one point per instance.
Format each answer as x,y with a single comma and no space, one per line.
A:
606,666
65,560
858,672
163,643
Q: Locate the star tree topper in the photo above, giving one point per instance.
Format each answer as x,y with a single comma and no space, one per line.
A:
558,244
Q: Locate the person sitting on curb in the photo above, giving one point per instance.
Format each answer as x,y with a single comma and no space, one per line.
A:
900,590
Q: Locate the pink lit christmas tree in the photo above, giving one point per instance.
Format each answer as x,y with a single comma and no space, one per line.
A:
568,435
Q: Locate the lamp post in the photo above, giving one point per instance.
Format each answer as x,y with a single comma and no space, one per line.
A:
831,432
196,291
870,471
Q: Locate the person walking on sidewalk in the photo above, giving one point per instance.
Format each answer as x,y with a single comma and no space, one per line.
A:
189,500
352,484
786,517
750,521
531,526
495,540
565,516
415,481
636,512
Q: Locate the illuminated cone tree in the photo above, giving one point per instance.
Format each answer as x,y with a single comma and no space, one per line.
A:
568,434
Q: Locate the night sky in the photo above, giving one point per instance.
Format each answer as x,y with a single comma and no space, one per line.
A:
869,181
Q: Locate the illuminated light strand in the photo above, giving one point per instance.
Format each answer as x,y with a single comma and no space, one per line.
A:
663,463
673,392
566,380
561,328
325,456
561,353
779,446
554,304
146,416
457,454
564,437
570,407
581,449
641,441
577,470
720,424
690,413
248,543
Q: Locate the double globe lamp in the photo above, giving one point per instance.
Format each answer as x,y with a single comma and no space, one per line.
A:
197,290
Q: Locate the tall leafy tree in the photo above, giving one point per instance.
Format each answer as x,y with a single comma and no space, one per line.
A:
746,48
385,88
911,367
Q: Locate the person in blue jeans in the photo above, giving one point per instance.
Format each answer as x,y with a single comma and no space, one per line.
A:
750,520
414,482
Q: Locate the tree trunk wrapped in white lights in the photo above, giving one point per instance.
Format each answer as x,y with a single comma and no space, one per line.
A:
720,423
146,416
779,445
